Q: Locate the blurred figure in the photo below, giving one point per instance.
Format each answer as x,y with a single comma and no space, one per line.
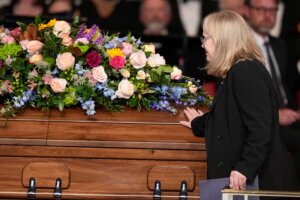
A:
61,8
156,16
234,5
21,10
261,16
110,15
25,8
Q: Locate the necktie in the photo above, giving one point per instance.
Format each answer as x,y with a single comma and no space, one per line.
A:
276,77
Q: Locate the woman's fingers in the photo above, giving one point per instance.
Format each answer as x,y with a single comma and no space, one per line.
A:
191,114
185,123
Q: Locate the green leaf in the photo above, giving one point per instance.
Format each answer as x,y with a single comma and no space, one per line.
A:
133,102
75,21
154,76
167,69
37,20
83,48
50,61
129,36
61,105
22,25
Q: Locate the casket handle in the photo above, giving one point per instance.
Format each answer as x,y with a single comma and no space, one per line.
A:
157,190
31,194
183,191
57,193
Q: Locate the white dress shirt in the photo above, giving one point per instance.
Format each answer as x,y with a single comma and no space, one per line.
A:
190,14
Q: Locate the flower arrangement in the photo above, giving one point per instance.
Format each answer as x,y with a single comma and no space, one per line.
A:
60,64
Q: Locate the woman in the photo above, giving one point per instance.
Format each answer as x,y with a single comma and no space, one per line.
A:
241,128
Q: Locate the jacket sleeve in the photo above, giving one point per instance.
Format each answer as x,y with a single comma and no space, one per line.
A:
252,88
198,125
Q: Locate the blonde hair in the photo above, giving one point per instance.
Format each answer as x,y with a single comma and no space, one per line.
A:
234,41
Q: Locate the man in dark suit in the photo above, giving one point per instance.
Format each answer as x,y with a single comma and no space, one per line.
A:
261,16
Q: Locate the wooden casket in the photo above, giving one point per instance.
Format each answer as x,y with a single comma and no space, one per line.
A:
105,156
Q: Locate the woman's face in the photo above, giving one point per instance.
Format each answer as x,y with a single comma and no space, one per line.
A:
209,45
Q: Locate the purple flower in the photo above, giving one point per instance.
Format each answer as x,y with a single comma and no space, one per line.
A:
93,59
81,32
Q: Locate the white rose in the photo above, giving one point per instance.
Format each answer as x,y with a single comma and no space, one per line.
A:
65,61
125,73
58,85
156,60
125,89
140,75
61,27
148,78
138,59
99,74
176,74
193,89
149,48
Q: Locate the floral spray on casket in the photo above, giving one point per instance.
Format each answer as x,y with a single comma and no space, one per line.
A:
60,64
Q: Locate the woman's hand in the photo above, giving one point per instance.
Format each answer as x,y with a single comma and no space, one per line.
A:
191,114
237,180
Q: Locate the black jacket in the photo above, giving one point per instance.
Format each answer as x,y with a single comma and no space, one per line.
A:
242,129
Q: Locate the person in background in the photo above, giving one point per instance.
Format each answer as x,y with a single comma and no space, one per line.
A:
110,15
261,16
241,129
156,17
62,8
21,10
234,5
25,8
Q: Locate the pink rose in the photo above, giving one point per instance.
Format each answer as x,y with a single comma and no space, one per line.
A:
31,85
23,44
138,59
126,48
6,87
58,85
89,76
7,39
47,78
65,61
66,39
117,62
176,74
61,27
99,74
34,46
35,59
16,32
125,89
81,40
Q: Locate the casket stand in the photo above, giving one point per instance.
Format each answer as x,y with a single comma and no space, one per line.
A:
106,156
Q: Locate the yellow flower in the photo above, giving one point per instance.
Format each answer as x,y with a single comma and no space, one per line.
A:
115,52
49,24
